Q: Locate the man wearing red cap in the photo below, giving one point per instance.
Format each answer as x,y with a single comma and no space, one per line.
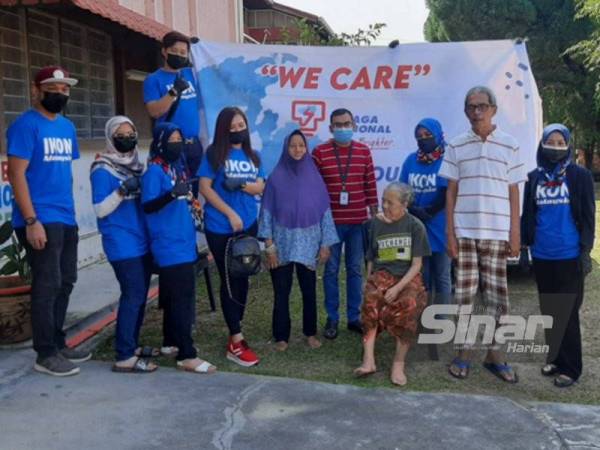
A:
41,146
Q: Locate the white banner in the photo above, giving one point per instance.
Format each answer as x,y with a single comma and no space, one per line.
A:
282,88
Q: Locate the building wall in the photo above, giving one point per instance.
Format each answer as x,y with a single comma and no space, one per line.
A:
208,19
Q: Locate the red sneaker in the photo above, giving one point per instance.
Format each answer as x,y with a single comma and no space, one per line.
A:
241,354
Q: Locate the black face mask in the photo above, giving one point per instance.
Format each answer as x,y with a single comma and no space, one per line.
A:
427,145
238,137
176,62
54,102
553,155
124,144
172,151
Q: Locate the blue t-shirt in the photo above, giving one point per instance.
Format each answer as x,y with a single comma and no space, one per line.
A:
123,231
49,146
425,182
556,236
187,115
236,166
171,229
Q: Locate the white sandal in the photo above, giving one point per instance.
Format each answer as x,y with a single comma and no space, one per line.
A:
204,367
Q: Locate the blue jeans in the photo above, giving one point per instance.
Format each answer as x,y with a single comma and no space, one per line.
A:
436,274
133,275
351,236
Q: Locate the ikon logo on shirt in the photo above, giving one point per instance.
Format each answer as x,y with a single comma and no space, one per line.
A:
552,195
58,149
422,182
235,168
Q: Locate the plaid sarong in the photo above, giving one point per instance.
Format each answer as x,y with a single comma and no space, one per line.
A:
481,266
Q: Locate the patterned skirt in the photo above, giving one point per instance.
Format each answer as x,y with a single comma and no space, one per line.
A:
401,316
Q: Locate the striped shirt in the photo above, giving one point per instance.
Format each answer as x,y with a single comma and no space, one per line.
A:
484,170
360,182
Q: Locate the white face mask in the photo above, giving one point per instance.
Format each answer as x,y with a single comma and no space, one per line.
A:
555,147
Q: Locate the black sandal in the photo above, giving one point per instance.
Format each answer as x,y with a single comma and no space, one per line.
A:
549,369
140,366
563,381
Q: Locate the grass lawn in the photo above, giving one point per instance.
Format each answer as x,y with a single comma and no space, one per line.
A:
335,360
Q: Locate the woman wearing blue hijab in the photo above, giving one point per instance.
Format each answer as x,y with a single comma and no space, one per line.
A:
167,202
558,224
420,171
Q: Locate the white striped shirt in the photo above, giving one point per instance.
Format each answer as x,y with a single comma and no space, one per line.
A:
484,170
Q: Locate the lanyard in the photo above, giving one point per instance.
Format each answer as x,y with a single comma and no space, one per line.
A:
343,175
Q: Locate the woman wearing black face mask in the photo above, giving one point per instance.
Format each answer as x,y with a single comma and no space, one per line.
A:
420,171
167,201
231,175
558,224
115,178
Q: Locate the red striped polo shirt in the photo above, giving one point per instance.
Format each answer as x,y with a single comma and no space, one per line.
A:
360,182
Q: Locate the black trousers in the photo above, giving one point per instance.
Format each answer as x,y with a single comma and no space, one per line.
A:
233,308
282,278
54,272
177,288
193,157
560,287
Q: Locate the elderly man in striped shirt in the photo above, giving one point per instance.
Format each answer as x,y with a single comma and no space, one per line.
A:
483,169
347,168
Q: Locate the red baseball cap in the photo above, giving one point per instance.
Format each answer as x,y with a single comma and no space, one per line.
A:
54,74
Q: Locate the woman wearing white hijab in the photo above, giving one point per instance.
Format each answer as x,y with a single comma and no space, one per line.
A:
115,177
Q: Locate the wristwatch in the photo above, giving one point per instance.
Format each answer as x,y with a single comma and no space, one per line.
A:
30,220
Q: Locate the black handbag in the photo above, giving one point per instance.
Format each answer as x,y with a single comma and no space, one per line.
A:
242,256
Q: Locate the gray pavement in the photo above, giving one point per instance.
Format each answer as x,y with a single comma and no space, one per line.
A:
169,409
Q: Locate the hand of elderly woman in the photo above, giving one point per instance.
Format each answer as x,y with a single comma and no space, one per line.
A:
392,293
324,254
382,217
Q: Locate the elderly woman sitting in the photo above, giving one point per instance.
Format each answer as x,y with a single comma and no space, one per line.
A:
394,293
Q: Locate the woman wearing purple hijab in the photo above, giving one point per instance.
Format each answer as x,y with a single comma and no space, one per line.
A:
297,225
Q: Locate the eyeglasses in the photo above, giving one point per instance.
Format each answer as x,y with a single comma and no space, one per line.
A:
126,136
342,124
483,107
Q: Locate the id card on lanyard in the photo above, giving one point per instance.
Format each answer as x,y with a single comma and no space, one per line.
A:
344,195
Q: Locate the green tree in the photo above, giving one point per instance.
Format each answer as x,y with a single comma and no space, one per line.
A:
552,28
306,33
589,49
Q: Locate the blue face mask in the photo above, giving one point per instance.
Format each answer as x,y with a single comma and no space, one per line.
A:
343,135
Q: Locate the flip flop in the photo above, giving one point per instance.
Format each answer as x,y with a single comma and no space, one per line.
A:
499,369
147,352
140,366
362,373
203,368
461,364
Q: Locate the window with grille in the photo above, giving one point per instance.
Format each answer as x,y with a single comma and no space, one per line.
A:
31,40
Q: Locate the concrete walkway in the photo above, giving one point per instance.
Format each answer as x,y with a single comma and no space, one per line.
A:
169,409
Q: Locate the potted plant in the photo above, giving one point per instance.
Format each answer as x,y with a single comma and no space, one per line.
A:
15,289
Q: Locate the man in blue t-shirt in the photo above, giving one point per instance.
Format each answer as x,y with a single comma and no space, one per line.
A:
171,95
41,145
